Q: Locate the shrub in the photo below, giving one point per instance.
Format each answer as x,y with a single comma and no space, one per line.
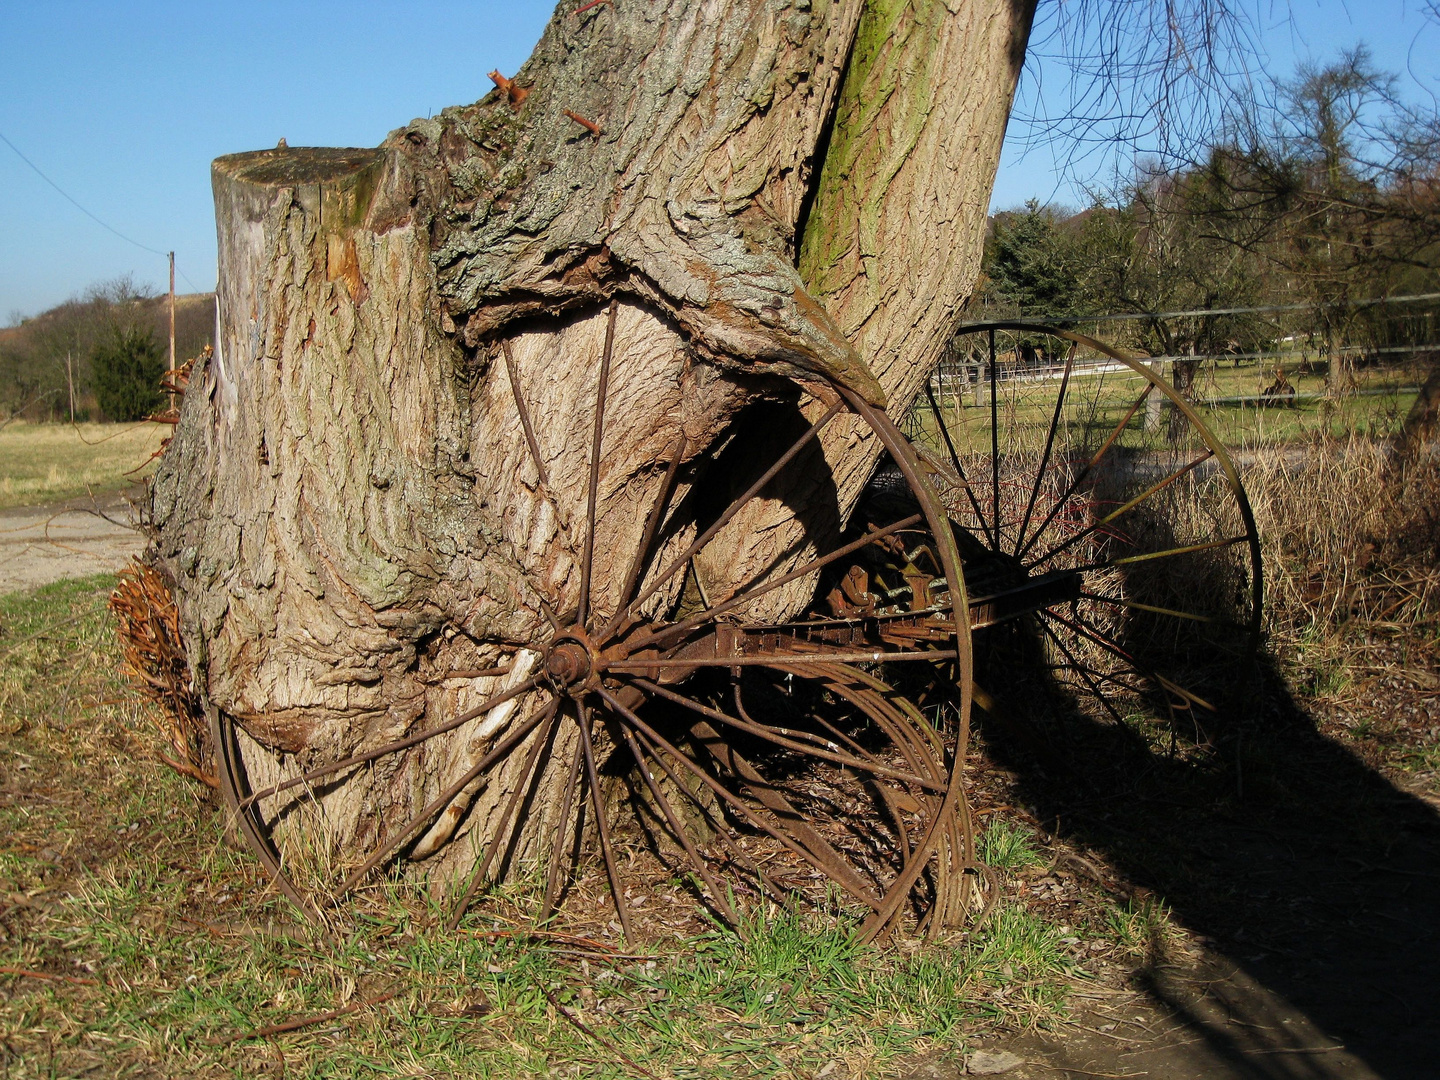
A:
127,363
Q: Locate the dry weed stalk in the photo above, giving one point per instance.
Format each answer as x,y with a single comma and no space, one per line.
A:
1347,540
154,661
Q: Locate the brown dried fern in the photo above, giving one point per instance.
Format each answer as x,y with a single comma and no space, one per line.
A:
154,661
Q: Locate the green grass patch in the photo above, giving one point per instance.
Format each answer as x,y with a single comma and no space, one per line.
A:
157,950
1004,845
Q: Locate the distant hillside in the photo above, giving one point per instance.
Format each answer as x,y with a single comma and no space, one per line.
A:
33,355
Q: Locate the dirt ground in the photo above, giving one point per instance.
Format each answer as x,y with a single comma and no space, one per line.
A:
74,538
1298,866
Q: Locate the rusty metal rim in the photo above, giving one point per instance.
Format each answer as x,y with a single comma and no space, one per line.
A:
1208,437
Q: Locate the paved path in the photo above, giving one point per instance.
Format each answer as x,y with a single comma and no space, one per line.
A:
41,544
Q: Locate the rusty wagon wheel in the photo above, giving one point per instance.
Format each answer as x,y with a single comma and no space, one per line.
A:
1107,538
768,756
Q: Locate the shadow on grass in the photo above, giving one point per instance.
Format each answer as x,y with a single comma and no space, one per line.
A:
1307,869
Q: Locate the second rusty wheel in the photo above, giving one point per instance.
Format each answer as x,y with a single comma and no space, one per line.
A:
1109,545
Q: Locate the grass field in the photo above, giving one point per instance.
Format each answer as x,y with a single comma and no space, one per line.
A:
134,942
44,463
1373,407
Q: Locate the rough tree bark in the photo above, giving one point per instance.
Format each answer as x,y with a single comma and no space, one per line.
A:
772,190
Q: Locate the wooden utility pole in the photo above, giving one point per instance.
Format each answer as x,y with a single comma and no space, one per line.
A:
70,381
172,328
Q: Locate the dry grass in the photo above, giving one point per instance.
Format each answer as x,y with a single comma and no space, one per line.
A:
1352,562
44,463
1346,542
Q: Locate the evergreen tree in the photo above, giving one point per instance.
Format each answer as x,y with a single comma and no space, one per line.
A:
127,363
1032,263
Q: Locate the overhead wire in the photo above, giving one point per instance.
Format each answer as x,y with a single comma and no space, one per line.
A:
104,225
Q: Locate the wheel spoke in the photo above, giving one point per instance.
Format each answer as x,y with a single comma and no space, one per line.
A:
1135,605
1090,633
472,673
443,799
525,423
1114,514
587,557
767,733
682,560
1084,673
677,829
1049,444
1168,553
395,747
857,890
647,539
959,469
1084,472
504,830
552,874
602,824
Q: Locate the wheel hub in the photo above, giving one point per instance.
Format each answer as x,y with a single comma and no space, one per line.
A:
569,663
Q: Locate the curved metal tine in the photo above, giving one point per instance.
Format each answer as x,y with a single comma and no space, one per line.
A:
926,738
445,797
701,617
587,558
395,747
767,733
868,656
602,824
647,539
677,829
557,850
683,559
1084,472
841,736
227,751
795,823
524,788
1154,489
994,443
732,800
721,830
805,736
955,460
1049,444
1085,674
1087,631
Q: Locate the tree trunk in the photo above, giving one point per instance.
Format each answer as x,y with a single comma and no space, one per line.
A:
351,508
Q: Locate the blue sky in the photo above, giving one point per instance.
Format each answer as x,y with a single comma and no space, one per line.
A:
123,105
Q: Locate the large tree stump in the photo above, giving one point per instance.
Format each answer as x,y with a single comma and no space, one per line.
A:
773,194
